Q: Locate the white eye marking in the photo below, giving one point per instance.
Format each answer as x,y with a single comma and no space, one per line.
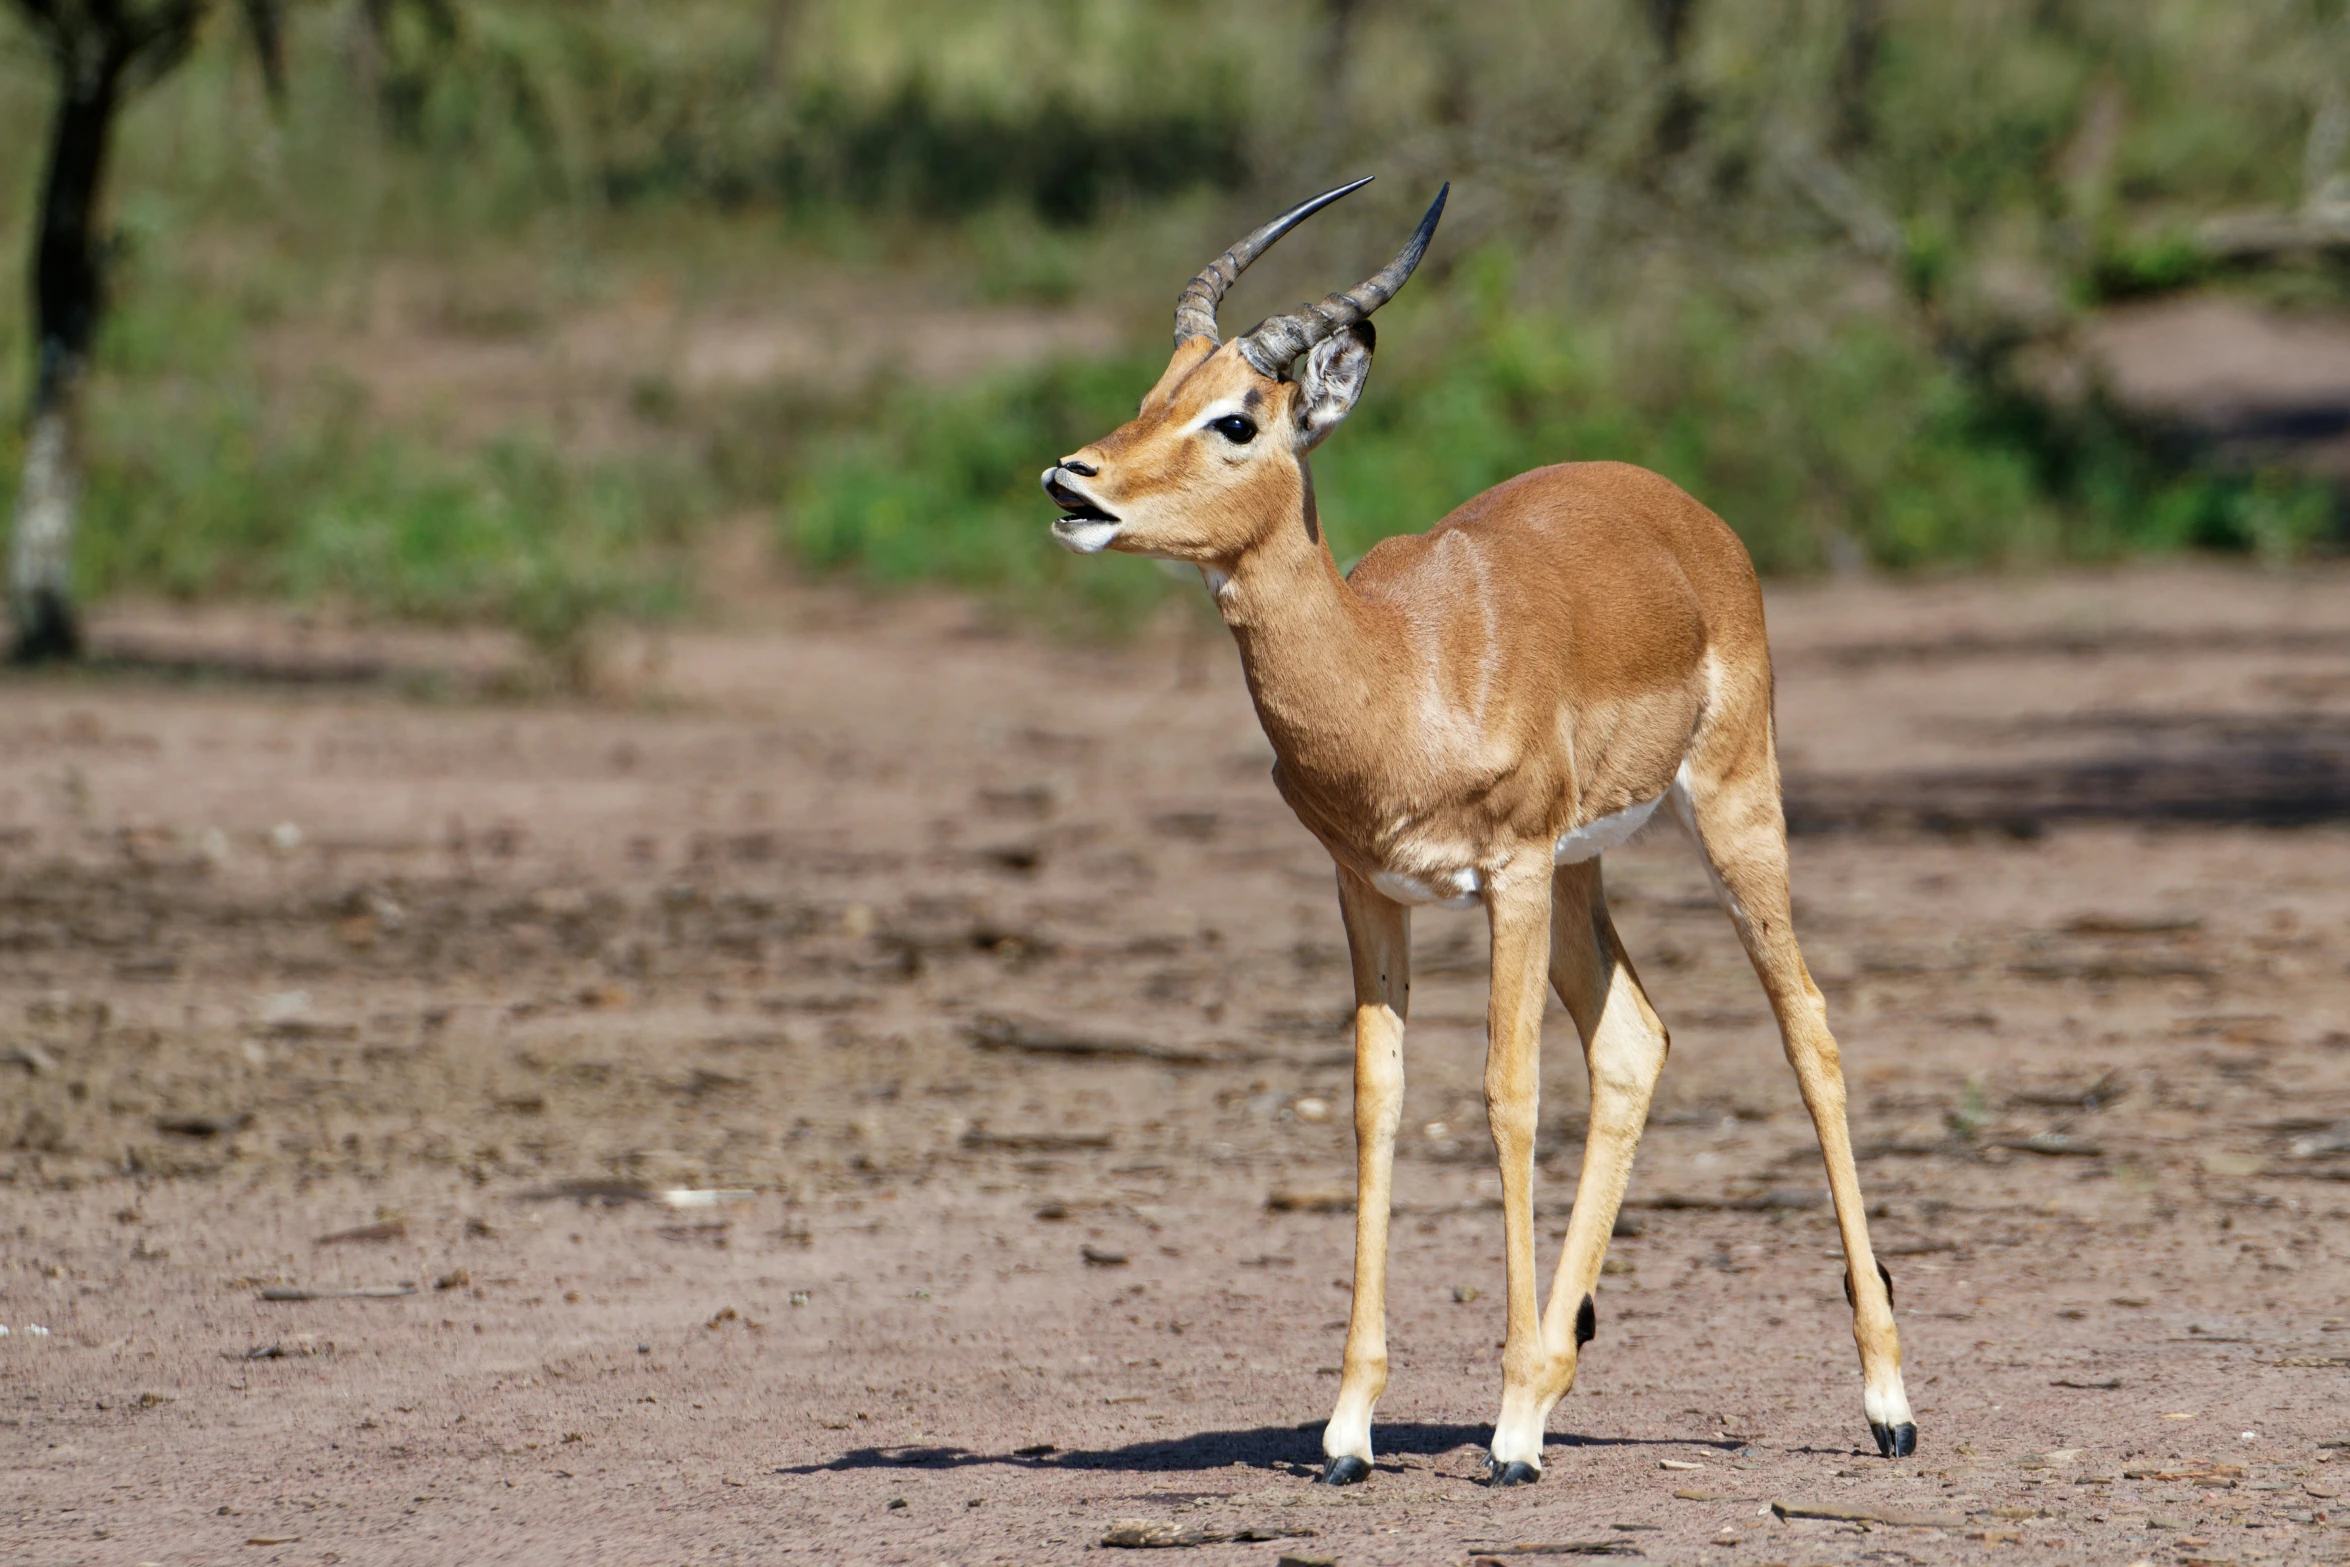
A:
1233,422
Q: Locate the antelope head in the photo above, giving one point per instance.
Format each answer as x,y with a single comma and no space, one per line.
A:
1216,455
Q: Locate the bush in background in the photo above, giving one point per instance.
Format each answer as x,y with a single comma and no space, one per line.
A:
1863,446
1791,254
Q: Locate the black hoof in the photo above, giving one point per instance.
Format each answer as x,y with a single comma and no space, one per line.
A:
1895,1441
1514,1474
1344,1471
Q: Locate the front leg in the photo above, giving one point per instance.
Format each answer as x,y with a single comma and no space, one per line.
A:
1517,903
1379,936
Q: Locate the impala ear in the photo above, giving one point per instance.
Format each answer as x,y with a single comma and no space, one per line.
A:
1335,374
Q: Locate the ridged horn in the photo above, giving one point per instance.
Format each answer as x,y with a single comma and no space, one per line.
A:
1275,343
1195,307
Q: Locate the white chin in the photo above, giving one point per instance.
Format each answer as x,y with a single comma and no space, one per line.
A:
1085,538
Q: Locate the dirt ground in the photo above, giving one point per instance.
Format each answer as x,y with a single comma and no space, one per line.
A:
996,979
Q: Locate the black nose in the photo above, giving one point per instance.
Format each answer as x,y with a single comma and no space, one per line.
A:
1083,470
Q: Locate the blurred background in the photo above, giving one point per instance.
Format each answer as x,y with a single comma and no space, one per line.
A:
521,312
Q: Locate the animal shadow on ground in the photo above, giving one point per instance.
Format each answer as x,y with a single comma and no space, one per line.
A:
1266,1446
137,661
2289,770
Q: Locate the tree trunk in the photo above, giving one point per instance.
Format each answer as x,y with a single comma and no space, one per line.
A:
40,566
68,293
1854,125
1669,22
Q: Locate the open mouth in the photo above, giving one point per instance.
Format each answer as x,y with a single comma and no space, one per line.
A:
1074,507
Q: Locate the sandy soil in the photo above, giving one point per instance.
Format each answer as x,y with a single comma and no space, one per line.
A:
998,979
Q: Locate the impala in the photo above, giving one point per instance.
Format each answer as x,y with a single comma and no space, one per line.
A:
1471,717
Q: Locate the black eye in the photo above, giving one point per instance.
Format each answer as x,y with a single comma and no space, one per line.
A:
1236,428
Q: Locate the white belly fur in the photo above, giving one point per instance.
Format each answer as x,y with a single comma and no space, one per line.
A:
1446,890
1458,889
1594,838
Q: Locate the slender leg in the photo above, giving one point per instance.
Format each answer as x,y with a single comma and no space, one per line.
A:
1517,902
1737,820
1624,1047
1379,936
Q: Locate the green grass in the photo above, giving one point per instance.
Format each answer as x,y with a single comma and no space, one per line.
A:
197,489
942,487
332,514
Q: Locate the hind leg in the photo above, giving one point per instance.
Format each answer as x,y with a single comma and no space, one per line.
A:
1730,805
1517,903
1624,1048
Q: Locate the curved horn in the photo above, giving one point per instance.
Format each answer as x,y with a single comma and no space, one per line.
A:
1275,343
1195,307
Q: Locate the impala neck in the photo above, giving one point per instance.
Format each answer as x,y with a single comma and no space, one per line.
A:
1305,637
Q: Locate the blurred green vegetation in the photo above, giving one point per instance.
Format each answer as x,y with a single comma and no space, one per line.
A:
335,513
1867,447
1814,259
197,489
